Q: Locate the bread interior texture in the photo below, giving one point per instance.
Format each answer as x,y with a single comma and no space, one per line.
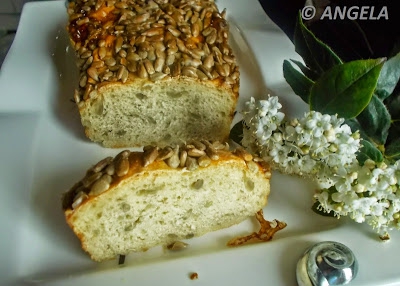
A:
158,208
162,113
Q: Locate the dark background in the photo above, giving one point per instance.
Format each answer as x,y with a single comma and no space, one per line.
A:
350,39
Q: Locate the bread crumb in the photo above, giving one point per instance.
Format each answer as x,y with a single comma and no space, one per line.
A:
194,276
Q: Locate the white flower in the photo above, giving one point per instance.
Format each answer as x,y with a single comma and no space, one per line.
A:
279,154
323,148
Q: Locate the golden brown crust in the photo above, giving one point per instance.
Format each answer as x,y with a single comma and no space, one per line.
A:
121,42
188,157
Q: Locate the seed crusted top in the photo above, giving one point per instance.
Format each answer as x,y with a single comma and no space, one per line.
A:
120,40
109,171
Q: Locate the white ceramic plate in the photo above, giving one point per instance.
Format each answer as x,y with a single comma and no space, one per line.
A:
43,152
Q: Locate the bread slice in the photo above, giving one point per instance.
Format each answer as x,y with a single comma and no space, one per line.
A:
139,200
153,72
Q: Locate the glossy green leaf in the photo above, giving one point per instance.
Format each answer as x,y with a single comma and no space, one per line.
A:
388,78
375,120
306,71
393,150
369,151
300,84
346,89
316,55
236,134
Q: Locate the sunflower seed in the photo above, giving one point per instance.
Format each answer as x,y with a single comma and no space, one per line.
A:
198,145
122,167
188,15
142,72
118,44
131,56
157,76
83,81
195,29
208,62
110,170
122,53
211,38
164,154
102,164
141,18
149,66
174,160
123,74
151,55
92,72
88,90
100,186
216,145
182,158
191,163
175,32
201,75
190,71
153,32
83,21
205,71
77,97
170,60
88,62
102,52
150,155
204,161
79,199
159,64
176,69
243,154
86,54
90,178
97,64
194,152
110,62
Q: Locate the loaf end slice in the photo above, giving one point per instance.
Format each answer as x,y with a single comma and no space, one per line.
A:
139,200
153,72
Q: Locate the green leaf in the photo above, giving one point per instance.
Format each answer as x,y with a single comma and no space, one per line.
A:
369,151
316,55
389,77
306,71
346,89
236,133
375,121
300,84
393,150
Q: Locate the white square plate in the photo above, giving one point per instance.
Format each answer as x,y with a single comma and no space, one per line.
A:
44,152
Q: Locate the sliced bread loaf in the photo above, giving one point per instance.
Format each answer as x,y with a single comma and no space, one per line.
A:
139,200
153,72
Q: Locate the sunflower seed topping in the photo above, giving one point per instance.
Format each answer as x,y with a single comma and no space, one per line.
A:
121,40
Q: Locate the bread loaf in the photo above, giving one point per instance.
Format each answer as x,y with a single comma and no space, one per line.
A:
153,72
139,200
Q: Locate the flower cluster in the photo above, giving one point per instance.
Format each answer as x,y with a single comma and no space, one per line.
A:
321,147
